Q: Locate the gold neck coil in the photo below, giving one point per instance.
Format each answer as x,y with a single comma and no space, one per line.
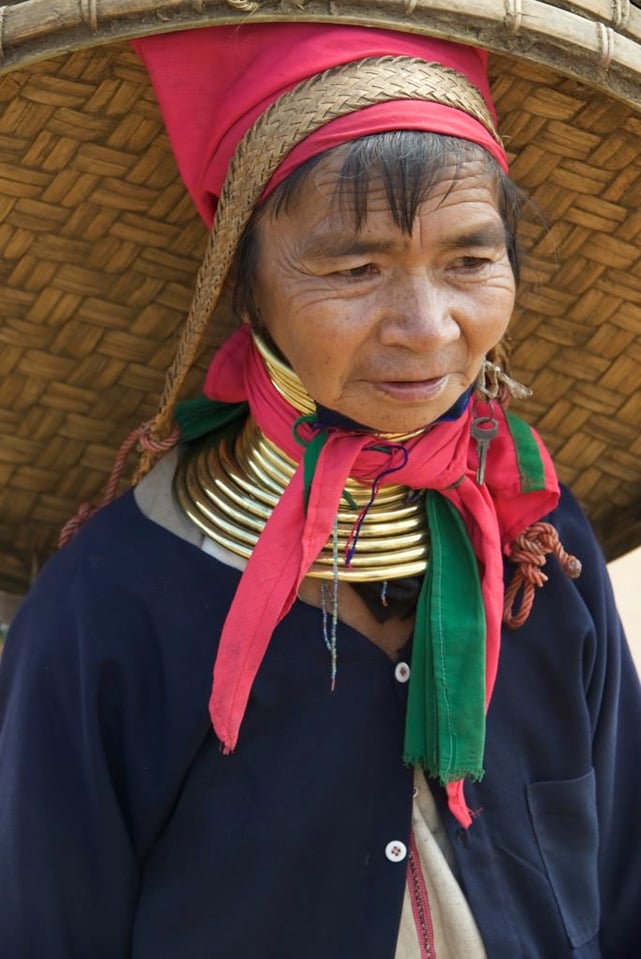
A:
287,383
284,379
229,484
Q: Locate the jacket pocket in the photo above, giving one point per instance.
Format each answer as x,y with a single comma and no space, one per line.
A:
565,822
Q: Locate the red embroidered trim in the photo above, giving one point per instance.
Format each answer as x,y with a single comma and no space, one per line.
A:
420,903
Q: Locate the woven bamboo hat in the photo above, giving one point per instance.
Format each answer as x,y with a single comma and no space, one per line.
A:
101,244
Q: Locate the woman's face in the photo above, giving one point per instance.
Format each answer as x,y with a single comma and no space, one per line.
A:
386,328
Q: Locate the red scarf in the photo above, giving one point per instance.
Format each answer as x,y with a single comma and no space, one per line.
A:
442,458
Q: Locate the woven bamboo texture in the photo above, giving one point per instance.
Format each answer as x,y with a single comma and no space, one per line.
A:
592,39
101,247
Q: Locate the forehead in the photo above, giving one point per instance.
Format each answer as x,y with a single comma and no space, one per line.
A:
330,195
327,202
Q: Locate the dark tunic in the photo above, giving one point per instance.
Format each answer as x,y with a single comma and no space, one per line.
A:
124,832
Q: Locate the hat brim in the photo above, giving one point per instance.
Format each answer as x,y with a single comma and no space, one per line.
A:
101,245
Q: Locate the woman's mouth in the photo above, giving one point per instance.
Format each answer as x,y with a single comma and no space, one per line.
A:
413,391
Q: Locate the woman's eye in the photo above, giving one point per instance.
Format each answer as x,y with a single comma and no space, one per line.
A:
471,264
357,272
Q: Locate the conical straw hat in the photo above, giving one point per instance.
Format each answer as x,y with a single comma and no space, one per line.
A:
101,245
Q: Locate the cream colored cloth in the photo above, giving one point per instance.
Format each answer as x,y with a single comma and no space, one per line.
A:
455,933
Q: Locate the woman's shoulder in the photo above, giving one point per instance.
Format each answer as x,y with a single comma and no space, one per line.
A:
125,576
142,530
577,538
571,522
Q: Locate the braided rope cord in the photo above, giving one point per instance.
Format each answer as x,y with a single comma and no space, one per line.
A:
140,436
529,552
296,114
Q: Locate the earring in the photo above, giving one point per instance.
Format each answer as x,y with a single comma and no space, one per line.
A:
494,383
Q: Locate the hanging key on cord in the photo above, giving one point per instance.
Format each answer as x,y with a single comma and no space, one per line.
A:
484,430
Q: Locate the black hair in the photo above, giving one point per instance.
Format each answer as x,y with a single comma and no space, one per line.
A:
409,163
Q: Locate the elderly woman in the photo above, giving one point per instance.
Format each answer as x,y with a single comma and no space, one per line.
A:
372,780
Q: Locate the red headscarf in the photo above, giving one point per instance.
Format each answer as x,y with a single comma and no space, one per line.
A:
213,83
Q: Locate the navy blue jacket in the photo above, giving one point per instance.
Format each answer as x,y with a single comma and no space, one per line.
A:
124,832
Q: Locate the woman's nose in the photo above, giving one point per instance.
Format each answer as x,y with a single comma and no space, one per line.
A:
418,313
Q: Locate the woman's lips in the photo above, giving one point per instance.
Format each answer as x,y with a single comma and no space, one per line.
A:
412,390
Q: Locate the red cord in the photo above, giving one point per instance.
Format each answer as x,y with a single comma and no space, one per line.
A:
529,552
141,436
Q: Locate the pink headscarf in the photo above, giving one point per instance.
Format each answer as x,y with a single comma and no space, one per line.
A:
213,83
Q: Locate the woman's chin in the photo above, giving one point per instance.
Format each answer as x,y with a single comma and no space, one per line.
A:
405,408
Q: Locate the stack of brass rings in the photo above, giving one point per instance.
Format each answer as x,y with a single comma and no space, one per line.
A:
229,485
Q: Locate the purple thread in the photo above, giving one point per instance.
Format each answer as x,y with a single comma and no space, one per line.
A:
352,539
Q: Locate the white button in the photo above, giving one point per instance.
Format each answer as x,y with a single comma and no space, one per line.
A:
402,672
396,851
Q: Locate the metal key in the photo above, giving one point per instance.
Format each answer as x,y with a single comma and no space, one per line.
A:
484,430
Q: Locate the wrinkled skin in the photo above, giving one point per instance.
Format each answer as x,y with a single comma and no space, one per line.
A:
386,328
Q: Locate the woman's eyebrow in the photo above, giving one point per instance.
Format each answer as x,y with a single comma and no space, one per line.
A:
487,235
337,245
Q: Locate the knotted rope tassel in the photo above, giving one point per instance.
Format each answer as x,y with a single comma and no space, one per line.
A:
529,552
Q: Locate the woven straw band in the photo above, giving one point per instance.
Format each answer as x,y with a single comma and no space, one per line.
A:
296,114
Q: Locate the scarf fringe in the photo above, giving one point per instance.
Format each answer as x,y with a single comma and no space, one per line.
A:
456,775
